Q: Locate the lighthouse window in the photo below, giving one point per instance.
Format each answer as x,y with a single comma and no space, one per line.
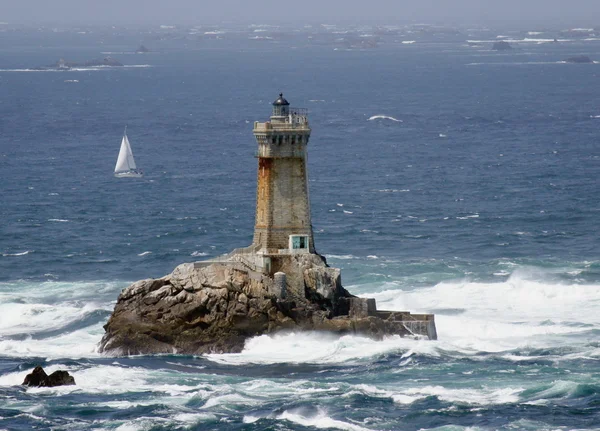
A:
298,242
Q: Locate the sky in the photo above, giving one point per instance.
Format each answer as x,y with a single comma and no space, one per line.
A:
566,13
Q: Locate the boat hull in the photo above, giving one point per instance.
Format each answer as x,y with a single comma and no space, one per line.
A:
129,174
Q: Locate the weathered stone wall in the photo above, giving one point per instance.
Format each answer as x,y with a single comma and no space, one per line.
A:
282,207
282,202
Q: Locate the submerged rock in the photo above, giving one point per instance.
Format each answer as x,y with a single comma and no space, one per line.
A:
579,59
501,46
215,307
38,377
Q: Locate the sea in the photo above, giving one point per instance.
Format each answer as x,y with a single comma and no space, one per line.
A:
444,178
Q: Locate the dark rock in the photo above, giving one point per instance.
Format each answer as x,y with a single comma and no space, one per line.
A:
106,61
579,59
217,307
60,378
501,46
38,377
142,49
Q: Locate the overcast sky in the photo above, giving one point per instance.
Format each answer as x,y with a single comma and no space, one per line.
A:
517,12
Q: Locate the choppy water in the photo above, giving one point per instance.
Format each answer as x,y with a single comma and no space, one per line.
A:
444,178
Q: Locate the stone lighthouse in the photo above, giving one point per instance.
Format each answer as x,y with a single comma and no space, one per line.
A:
283,223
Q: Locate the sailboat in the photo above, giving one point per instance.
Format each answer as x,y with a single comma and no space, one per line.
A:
125,167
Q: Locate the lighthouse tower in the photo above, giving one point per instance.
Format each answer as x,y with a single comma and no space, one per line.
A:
283,223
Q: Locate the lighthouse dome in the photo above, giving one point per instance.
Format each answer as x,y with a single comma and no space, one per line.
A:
281,101
281,107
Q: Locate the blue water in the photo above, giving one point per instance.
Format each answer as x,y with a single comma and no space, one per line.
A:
474,195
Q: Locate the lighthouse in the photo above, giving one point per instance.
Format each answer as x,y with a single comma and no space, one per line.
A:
283,224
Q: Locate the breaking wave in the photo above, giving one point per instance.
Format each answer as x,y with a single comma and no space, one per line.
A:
23,253
384,117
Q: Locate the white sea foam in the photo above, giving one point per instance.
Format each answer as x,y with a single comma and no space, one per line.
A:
341,257
319,420
77,344
18,318
316,347
408,42
58,220
23,253
483,396
199,254
501,316
408,395
145,253
383,117
114,379
79,69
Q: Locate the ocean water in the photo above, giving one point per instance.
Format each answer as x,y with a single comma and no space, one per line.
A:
444,178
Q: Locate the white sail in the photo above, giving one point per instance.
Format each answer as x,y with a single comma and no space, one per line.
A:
125,161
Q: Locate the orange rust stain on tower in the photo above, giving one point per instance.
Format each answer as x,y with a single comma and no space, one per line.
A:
263,192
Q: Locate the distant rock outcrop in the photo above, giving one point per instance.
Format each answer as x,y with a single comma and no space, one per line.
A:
38,377
215,306
62,64
501,46
579,59
142,50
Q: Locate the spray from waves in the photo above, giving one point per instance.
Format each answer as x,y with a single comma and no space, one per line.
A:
76,344
384,117
54,319
316,347
31,319
502,316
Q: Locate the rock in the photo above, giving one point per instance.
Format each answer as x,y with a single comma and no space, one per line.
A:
62,64
501,46
579,59
60,378
142,49
38,377
216,307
